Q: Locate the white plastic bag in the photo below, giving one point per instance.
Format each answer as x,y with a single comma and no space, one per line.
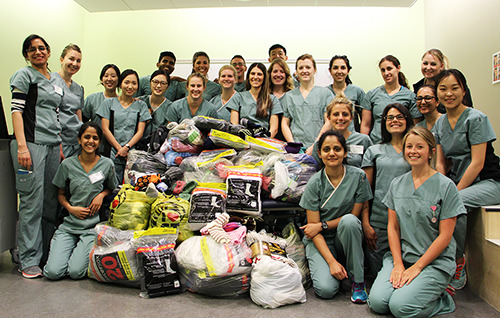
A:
276,281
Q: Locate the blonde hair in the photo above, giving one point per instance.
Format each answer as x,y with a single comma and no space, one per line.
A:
429,139
228,67
305,57
438,55
340,99
288,77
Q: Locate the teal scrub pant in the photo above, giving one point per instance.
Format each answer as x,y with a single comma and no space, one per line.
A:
485,192
374,258
425,296
70,150
38,207
69,254
119,163
347,244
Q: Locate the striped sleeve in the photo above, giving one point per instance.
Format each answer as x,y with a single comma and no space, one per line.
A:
18,101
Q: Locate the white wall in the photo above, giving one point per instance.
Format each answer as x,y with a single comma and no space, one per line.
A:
134,39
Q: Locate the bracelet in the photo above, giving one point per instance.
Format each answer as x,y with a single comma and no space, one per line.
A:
20,152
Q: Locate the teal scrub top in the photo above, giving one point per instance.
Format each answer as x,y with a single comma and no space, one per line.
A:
320,195
43,98
145,88
388,164
211,90
306,116
179,110
240,87
125,120
355,94
224,111
247,108
419,213
83,188
472,128
91,106
423,123
357,144
159,115
72,101
376,100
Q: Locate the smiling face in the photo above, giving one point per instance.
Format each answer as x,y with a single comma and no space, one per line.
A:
305,70
389,72
278,75
167,64
71,62
89,141
241,68
450,93
277,53
340,117
339,70
256,77
431,66
227,78
426,100
159,85
331,152
201,65
129,85
110,79
417,151
195,87
38,54
395,122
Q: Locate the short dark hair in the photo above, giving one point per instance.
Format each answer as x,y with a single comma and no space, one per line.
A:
334,133
167,53
237,56
160,72
276,46
386,136
27,43
106,67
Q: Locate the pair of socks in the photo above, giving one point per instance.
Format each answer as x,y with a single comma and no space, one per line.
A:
216,229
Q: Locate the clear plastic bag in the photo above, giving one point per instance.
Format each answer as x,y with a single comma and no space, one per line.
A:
203,253
187,132
108,236
223,139
204,169
130,209
156,259
225,286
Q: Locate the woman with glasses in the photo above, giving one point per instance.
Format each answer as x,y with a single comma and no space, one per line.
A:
157,104
394,90
427,104
339,69
382,163
36,97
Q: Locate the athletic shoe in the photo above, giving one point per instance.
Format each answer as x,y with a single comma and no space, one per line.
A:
459,280
32,272
359,295
450,290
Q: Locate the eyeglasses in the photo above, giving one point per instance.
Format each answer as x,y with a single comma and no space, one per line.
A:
238,64
391,117
156,82
33,49
427,98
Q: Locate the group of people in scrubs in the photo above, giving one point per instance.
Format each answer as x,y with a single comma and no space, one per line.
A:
378,196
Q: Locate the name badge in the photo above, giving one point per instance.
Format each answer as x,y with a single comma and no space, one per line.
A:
356,149
58,90
96,177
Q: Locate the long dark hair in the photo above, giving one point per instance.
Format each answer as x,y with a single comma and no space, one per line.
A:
346,60
386,136
401,77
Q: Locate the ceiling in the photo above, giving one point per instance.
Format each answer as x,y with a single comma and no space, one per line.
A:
133,5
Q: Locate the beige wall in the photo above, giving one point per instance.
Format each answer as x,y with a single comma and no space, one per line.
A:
468,33
134,39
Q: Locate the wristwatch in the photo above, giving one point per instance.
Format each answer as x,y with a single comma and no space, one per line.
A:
324,225
127,145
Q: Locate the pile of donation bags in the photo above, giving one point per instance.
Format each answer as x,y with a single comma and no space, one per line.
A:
178,221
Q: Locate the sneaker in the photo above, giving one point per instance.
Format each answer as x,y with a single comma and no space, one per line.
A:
32,272
459,280
359,295
450,290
